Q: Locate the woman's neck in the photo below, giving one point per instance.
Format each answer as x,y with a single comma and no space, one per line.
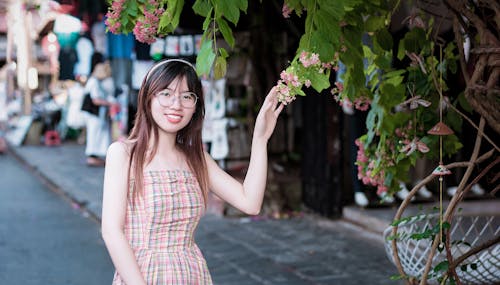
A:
168,155
166,142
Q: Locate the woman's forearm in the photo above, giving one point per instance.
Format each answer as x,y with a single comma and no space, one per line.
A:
123,258
255,180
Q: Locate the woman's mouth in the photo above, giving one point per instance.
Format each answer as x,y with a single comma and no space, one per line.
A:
173,118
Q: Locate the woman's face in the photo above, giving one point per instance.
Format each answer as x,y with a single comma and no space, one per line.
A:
170,107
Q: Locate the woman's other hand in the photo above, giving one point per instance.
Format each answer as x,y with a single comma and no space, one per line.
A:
267,117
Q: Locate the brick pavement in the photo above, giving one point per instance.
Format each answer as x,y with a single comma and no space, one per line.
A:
303,250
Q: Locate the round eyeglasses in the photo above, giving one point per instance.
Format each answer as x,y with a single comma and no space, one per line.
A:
186,99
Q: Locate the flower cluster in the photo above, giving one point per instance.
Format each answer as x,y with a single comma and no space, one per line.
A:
309,59
361,103
146,27
284,94
291,81
113,16
366,170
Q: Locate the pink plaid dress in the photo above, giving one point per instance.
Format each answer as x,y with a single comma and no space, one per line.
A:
160,226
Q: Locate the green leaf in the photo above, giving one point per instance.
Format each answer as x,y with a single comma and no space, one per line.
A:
453,120
473,266
391,94
223,52
446,225
335,8
208,20
202,8
228,9
241,4
226,31
329,32
299,92
324,48
464,103
132,9
442,266
415,40
319,81
220,67
388,178
170,18
374,23
464,267
401,50
397,277
205,58
384,39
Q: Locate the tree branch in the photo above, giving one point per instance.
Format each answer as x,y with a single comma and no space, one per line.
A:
485,36
475,250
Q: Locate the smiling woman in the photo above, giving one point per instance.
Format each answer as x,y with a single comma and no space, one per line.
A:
157,181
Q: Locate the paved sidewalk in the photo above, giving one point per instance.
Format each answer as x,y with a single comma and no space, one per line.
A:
302,250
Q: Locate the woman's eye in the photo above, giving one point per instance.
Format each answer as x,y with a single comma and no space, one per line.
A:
187,97
165,94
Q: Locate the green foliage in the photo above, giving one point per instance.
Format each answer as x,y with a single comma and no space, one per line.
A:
356,33
217,13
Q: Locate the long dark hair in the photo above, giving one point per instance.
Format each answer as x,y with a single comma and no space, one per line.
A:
188,139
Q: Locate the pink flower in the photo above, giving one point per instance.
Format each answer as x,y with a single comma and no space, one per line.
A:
381,189
314,59
309,60
283,92
307,83
286,11
362,103
340,86
326,65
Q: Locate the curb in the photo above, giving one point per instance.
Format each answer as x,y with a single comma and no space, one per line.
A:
53,186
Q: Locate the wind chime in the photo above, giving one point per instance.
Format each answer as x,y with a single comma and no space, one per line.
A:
440,129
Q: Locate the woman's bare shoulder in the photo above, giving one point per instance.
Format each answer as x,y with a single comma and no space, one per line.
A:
119,150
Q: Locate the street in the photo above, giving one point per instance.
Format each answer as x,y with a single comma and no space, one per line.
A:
43,239
47,241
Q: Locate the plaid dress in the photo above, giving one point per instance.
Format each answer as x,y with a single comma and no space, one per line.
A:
160,226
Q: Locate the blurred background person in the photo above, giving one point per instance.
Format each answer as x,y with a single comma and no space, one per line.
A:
100,86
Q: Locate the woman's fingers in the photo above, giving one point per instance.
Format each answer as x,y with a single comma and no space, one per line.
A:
279,109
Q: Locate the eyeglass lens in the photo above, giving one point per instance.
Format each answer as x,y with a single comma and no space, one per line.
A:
187,99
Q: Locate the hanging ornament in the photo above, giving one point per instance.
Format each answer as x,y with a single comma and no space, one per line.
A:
440,129
441,170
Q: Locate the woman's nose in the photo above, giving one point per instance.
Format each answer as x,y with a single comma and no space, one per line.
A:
176,102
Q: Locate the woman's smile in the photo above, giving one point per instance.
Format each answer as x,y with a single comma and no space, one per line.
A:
174,118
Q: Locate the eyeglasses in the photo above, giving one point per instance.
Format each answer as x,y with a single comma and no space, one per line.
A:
187,99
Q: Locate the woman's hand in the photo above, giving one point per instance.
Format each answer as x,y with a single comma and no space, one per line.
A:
267,117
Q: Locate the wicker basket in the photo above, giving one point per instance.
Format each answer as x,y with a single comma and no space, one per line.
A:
466,232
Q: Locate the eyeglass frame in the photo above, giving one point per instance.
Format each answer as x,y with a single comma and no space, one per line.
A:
157,96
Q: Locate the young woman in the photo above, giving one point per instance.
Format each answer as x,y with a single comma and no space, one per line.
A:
156,182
